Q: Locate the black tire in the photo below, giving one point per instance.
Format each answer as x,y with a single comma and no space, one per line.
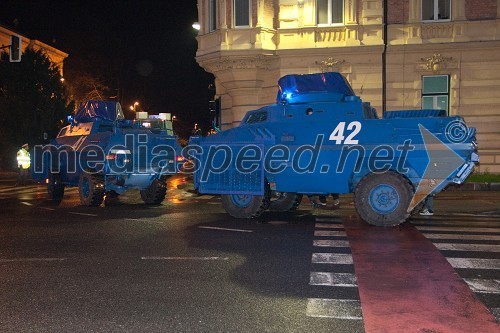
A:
247,206
155,193
382,199
55,187
91,189
284,201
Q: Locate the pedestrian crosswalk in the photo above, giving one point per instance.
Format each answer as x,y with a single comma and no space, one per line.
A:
473,250
7,191
333,269
34,190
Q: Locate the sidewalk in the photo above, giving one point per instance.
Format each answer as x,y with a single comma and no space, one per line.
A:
475,187
446,203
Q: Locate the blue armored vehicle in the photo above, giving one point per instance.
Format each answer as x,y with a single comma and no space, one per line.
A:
104,154
320,138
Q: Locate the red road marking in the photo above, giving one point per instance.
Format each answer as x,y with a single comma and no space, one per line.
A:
406,284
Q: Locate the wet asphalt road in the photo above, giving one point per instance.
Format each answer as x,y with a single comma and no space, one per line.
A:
186,266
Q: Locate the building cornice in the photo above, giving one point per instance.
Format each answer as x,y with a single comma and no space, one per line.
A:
331,50
237,62
452,46
34,43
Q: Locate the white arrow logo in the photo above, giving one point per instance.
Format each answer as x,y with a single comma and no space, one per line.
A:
443,161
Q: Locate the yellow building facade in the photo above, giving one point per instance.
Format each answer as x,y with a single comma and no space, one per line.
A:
56,56
439,54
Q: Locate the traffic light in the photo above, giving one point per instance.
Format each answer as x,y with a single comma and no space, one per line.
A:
212,106
215,110
15,48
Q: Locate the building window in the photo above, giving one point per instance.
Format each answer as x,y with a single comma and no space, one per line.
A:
436,92
212,15
329,12
241,13
436,10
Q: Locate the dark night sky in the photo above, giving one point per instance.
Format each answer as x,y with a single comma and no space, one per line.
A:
144,50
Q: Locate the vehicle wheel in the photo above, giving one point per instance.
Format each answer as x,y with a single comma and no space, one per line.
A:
284,201
245,206
383,199
155,193
55,187
91,189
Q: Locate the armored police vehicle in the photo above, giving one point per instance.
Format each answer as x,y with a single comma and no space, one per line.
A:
104,154
321,138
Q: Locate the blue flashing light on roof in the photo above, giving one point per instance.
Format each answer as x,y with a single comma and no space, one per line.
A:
300,88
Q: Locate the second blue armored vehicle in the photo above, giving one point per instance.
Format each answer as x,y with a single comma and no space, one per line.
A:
104,154
320,138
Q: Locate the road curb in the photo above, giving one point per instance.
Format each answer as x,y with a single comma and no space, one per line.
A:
475,187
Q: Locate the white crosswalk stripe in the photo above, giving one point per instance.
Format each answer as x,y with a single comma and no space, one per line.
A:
474,263
332,258
484,285
330,243
464,237
468,247
461,229
333,279
328,219
334,308
329,226
326,233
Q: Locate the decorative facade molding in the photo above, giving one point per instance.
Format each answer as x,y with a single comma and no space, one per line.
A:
437,30
224,63
436,62
330,64
330,34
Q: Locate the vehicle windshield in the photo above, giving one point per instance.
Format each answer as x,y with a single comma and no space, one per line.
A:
156,125
153,124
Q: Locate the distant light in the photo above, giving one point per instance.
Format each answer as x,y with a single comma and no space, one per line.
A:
134,107
196,26
62,79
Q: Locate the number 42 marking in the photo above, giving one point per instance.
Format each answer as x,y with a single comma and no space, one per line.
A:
338,133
